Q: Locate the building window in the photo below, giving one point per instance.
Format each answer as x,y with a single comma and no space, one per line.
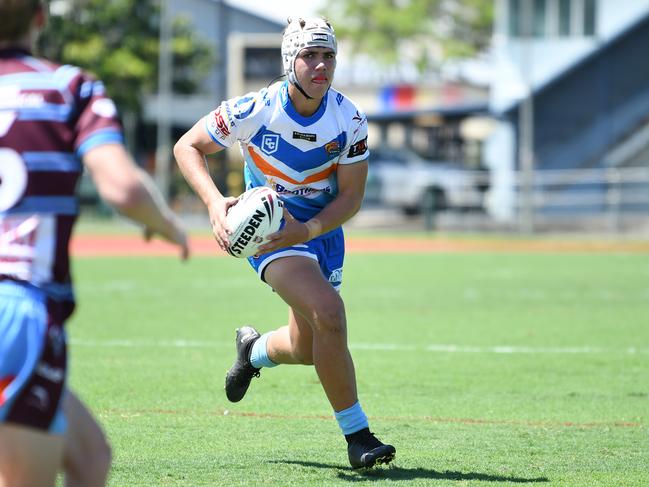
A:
589,17
548,18
539,18
515,19
565,16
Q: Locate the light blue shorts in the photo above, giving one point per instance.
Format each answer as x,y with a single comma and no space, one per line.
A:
328,250
32,360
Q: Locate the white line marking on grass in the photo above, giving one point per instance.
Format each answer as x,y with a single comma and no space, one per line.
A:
386,347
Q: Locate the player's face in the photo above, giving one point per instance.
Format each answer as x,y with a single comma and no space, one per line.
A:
314,69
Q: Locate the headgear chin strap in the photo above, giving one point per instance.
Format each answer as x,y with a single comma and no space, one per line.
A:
300,34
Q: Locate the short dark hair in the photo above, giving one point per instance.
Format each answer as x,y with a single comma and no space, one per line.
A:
16,17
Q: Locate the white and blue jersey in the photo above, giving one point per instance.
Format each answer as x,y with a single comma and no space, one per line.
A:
296,156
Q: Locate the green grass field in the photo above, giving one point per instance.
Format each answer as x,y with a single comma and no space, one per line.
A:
482,369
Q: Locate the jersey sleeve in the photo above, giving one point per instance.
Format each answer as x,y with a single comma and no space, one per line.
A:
236,119
356,150
97,121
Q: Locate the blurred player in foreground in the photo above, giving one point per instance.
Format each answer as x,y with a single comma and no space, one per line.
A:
309,143
52,119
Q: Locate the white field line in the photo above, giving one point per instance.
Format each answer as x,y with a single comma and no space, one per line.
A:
386,347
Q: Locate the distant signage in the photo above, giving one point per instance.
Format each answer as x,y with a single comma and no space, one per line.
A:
398,97
263,63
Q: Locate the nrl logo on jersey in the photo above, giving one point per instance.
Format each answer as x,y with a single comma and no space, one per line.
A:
270,143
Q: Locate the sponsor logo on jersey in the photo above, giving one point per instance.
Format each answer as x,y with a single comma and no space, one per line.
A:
270,143
359,148
12,98
228,113
221,124
38,398
52,374
303,136
361,119
332,148
303,191
244,107
264,97
339,98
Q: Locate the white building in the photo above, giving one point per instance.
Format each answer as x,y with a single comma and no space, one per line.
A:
537,42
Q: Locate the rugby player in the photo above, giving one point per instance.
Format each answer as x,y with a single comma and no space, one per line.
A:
308,142
54,120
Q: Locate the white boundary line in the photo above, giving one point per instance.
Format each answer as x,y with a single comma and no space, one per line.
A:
385,347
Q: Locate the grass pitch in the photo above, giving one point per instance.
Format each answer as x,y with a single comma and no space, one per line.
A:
482,369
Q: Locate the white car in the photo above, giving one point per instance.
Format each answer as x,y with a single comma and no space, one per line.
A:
398,177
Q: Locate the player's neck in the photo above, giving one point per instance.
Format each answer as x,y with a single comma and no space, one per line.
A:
301,103
24,45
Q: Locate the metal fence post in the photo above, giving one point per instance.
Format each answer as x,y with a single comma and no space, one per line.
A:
613,199
429,210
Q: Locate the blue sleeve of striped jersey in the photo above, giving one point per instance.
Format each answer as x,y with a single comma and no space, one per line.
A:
100,137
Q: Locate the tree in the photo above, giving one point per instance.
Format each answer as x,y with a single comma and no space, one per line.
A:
425,32
118,41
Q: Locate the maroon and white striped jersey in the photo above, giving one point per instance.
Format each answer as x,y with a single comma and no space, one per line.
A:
50,116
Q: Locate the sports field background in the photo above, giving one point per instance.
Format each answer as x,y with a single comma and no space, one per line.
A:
487,366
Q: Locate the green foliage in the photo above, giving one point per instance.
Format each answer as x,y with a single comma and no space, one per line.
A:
425,31
118,41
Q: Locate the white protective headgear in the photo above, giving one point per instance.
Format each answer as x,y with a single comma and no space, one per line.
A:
300,34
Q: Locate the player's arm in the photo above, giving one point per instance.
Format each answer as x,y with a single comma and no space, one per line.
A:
190,152
131,191
351,189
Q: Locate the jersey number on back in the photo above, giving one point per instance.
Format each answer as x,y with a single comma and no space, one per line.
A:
13,178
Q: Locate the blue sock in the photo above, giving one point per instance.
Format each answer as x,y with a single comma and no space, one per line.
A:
259,355
352,419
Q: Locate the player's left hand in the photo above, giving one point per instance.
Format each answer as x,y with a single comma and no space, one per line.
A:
175,233
293,232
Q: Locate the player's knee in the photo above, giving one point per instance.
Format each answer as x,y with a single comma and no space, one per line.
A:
329,317
93,469
99,462
103,458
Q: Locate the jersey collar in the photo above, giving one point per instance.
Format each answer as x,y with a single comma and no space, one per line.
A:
295,116
14,52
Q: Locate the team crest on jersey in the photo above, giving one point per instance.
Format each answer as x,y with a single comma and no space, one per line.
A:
332,148
270,143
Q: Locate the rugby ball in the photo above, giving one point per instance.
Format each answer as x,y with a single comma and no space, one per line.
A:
257,214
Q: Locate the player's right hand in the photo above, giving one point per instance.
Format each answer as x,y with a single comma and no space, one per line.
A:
217,213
